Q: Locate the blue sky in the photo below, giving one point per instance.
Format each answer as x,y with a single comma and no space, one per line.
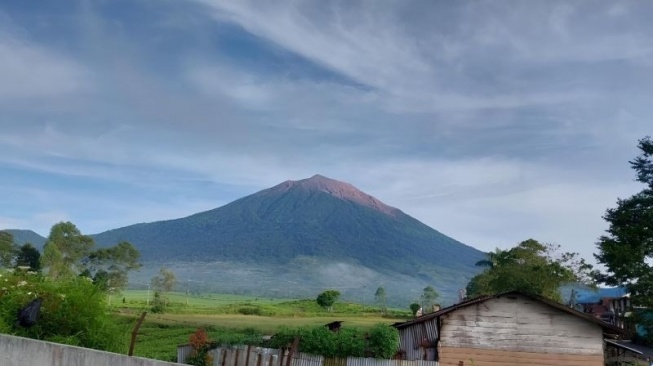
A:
492,122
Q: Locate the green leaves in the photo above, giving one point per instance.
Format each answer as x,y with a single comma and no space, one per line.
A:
428,297
530,267
327,298
74,311
382,341
627,248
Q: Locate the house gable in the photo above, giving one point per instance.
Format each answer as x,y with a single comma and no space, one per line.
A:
515,322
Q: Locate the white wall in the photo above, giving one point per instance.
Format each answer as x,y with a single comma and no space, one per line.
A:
17,351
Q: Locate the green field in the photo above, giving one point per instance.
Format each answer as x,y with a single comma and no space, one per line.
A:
223,317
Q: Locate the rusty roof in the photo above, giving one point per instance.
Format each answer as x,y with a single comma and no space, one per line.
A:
606,326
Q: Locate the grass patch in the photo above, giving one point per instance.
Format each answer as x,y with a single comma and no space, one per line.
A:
232,319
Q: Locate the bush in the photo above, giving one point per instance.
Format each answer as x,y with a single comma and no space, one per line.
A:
201,346
248,310
73,311
381,342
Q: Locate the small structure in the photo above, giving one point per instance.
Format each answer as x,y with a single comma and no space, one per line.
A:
334,326
507,328
619,352
611,305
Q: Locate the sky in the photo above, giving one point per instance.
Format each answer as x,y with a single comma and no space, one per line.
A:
492,122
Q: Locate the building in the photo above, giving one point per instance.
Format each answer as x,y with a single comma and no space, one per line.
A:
511,328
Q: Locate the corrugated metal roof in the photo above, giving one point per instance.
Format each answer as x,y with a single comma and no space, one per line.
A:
480,299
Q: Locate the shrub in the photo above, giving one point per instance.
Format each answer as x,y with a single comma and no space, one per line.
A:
201,346
381,342
73,311
249,310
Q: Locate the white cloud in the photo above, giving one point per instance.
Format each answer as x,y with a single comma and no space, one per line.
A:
31,71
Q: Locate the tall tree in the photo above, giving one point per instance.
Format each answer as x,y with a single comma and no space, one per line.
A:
165,281
29,256
64,250
7,249
429,295
531,267
626,250
380,298
69,253
110,266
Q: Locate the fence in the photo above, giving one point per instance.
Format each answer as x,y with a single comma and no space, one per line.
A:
258,356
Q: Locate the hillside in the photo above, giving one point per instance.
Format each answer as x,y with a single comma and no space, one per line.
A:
316,217
27,236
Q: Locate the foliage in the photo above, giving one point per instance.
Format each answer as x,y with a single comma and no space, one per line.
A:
73,311
165,281
64,250
28,256
327,298
201,345
162,283
112,264
6,249
428,297
530,267
382,341
69,253
381,298
414,307
627,249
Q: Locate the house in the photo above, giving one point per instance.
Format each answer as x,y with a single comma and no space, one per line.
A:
511,328
610,304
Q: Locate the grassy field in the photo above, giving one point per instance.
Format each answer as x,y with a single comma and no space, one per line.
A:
231,319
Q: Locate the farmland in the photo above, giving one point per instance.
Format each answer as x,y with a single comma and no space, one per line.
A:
231,319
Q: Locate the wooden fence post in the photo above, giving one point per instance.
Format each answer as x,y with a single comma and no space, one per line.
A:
293,349
134,333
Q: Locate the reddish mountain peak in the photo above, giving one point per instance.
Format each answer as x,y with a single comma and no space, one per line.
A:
342,190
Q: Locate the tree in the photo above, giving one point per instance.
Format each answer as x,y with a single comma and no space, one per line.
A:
111,265
428,297
530,267
165,281
626,250
64,250
29,256
414,307
7,249
327,298
380,298
68,253
162,283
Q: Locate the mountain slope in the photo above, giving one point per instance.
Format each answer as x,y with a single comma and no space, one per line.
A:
27,236
315,217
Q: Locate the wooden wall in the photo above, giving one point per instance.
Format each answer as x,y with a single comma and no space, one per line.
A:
488,357
514,328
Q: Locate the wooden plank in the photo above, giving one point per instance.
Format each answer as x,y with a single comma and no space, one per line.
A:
478,357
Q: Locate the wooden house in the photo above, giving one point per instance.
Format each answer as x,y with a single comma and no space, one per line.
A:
511,328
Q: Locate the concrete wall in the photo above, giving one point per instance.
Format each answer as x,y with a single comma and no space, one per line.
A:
17,351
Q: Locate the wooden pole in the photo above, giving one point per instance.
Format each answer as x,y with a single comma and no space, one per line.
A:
135,332
249,348
293,349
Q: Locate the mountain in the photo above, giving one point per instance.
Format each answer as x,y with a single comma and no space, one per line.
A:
27,236
313,228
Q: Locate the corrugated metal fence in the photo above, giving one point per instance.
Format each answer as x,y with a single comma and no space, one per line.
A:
257,356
